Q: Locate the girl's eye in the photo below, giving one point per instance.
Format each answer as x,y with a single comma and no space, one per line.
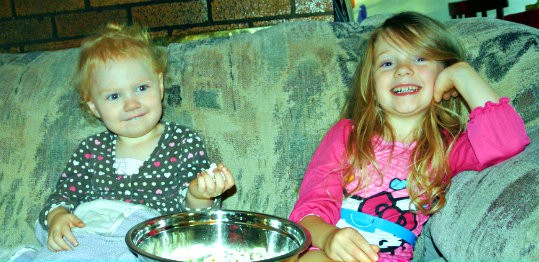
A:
113,97
420,59
386,64
142,88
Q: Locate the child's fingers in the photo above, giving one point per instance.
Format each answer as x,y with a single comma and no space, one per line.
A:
444,87
205,182
71,238
229,178
214,181
447,96
368,252
220,184
223,179
226,175
78,223
56,242
55,246
451,93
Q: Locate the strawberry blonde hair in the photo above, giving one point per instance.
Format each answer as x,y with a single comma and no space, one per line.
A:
114,42
430,173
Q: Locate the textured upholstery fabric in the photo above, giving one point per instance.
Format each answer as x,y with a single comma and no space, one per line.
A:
262,101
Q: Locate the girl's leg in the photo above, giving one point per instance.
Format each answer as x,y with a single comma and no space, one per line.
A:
314,256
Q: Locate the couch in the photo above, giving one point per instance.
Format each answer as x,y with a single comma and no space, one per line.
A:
262,101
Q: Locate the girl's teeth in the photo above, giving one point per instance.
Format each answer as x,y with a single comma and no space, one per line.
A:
405,89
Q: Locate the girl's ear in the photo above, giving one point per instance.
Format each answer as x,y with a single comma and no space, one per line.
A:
93,109
161,85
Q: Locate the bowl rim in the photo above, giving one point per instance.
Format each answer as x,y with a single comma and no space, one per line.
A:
139,252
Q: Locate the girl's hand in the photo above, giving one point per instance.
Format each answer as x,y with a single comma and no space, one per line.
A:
208,186
461,78
60,223
346,244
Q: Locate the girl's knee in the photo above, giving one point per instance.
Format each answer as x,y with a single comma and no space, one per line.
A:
314,256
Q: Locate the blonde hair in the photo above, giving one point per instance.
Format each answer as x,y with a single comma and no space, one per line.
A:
429,171
114,42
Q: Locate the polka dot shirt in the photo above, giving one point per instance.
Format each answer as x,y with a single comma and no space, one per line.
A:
90,174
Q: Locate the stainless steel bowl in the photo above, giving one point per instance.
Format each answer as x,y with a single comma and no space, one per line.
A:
223,235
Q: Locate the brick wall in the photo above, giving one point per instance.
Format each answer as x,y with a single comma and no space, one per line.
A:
32,25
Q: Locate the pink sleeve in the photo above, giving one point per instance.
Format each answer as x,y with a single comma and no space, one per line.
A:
494,133
321,191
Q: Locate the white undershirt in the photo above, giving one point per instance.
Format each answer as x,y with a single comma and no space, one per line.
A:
127,166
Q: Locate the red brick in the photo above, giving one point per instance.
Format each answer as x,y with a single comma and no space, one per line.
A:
168,14
83,24
31,7
25,30
97,3
56,45
242,9
313,6
5,9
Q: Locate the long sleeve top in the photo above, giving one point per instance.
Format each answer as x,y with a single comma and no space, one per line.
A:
90,173
494,133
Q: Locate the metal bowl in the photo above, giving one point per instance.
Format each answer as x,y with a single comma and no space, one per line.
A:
222,235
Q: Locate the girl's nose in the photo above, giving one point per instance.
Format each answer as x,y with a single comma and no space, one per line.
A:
404,69
131,104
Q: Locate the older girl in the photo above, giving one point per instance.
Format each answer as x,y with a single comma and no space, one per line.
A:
381,171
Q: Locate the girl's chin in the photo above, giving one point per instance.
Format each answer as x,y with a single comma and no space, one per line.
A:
408,111
132,131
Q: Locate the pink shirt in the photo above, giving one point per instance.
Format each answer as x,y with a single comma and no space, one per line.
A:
494,133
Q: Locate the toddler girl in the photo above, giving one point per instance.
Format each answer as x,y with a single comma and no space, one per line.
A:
139,159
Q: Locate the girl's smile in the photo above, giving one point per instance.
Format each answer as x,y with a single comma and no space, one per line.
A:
403,90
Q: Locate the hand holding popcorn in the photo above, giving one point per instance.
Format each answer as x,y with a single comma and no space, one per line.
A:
208,185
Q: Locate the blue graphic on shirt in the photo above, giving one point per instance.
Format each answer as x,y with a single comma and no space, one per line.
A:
397,184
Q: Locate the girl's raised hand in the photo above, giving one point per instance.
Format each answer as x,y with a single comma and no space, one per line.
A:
452,80
462,79
208,186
